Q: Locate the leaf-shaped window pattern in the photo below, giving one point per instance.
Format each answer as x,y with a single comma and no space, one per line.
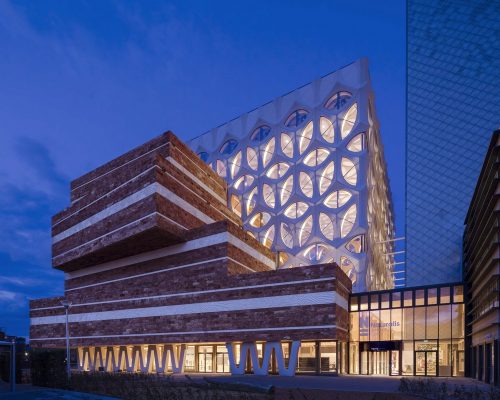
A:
305,137
315,252
326,226
267,238
252,159
338,101
287,144
268,151
260,133
326,177
296,210
277,170
203,156
306,184
356,244
348,267
221,168
236,204
251,200
260,219
349,120
269,195
286,190
229,146
243,182
235,164
296,118
326,129
286,235
356,144
349,171
337,199
305,230
316,157
348,220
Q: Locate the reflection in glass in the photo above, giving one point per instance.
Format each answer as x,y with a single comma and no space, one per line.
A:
287,145
349,171
286,189
267,152
326,226
349,120
356,144
268,195
338,100
326,129
328,356
307,357
326,177
252,159
432,322
348,221
305,137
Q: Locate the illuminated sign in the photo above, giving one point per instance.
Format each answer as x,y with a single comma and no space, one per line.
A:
384,324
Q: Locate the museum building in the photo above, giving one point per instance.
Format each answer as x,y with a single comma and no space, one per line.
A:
173,266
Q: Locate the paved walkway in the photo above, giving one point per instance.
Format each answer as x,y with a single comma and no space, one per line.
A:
356,383
360,383
28,392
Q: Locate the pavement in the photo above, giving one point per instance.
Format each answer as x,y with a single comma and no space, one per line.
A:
29,392
356,383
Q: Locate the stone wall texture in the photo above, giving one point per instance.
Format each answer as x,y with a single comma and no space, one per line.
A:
152,255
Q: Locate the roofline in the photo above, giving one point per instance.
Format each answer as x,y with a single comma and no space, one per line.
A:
283,95
493,144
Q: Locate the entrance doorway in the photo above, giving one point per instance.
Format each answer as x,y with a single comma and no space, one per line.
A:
381,358
425,362
379,363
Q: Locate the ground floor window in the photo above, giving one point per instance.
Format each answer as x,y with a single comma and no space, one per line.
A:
409,357
307,357
322,357
328,351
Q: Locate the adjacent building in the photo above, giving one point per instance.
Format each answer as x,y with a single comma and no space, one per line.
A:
452,105
307,175
481,263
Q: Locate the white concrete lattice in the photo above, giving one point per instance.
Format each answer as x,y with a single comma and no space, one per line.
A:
171,358
133,358
263,368
307,175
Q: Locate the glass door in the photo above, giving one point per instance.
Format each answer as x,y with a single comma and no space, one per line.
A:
425,363
395,362
431,363
379,362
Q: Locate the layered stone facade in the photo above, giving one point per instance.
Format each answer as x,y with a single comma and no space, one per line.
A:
155,262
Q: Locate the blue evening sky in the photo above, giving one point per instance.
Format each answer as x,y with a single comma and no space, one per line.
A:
83,81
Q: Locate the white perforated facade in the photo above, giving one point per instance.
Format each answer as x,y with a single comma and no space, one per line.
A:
307,175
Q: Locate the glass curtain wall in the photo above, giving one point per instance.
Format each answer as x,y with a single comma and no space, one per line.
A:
416,331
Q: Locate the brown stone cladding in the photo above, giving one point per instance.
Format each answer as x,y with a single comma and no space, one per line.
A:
152,254
110,212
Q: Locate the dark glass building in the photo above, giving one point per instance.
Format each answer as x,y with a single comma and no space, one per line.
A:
482,269
453,82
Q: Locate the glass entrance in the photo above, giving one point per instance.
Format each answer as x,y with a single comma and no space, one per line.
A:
379,362
395,362
425,362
